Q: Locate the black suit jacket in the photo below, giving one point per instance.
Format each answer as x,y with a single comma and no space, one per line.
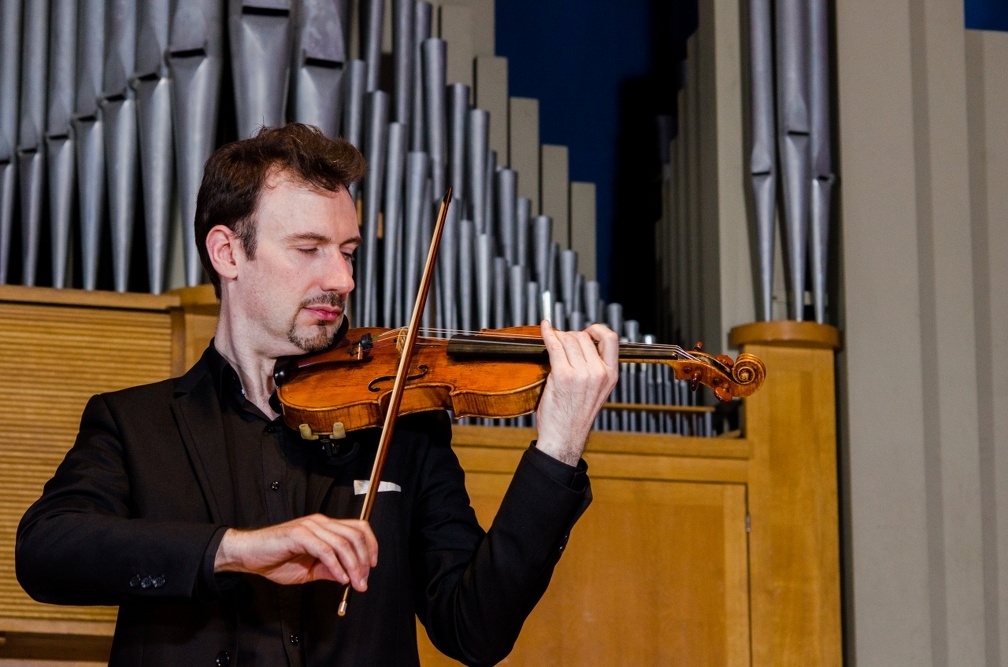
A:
129,515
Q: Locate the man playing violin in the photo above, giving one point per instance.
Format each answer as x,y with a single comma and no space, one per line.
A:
225,540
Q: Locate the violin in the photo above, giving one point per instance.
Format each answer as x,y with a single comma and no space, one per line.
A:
495,373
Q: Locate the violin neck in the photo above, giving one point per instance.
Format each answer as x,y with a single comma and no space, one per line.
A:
484,346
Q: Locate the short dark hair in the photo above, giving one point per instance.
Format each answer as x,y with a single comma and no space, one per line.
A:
235,174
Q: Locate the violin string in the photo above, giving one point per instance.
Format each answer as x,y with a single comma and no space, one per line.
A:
519,340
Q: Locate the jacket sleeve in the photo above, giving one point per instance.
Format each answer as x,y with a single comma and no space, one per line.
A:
82,542
476,601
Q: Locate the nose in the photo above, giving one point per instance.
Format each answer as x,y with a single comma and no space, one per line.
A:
338,276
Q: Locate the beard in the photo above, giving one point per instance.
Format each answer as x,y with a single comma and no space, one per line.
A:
321,335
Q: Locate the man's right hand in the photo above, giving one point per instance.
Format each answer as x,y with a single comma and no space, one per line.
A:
311,548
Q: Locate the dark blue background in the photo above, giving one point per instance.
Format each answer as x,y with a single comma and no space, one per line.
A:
606,74
987,14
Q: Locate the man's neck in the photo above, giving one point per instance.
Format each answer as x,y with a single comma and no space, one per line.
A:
254,368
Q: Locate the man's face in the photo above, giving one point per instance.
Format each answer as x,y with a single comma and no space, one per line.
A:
292,294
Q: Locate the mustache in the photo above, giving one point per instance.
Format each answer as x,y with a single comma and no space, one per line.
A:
331,299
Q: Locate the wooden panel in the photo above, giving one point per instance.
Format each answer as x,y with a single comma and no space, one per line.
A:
491,86
52,359
583,226
554,186
655,573
456,28
523,147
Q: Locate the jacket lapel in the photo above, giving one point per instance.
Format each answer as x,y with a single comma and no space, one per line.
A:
197,412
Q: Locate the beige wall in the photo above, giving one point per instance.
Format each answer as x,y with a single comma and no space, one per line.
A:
922,161
924,446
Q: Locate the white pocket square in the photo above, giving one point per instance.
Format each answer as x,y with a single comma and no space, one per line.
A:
361,486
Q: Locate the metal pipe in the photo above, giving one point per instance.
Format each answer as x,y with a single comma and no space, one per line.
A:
458,132
122,151
532,303
372,17
523,216
479,139
507,215
30,150
500,286
591,302
763,156
427,213
793,139
262,39
392,267
517,279
403,53
320,55
353,109
821,157
484,279
466,263
154,125
614,320
417,173
59,141
196,62
422,14
377,130
489,194
10,83
434,57
568,274
542,231
448,267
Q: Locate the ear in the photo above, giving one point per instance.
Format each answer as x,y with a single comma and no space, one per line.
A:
222,245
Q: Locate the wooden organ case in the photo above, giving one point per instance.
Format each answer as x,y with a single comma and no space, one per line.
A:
695,551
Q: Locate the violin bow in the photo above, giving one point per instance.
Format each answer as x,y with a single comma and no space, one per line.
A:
399,387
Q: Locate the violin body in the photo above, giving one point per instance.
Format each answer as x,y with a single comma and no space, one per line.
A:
352,386
496,373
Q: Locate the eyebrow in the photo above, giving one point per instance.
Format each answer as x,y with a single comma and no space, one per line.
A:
319,238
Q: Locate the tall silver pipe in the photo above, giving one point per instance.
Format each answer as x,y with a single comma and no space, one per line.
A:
395,170
458,130
426,236
822,161
434,56
353,109
403,54
506,192
793,138
448,258
532,315
31,128
10,83
578,298
372,15
551,267
417,173
262,37
489,193
542,235
484,279
763,156
631,329
157,155
568,275
500,289
320,55
119,111
614,320
422,13
59,135
377,131
591,302
517,279
89,132
560,316
196,62
479,139
466,282
575,320
523,216
649,390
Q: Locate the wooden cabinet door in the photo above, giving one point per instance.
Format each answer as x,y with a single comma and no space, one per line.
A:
655,573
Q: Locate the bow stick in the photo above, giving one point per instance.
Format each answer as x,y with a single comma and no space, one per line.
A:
395,398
